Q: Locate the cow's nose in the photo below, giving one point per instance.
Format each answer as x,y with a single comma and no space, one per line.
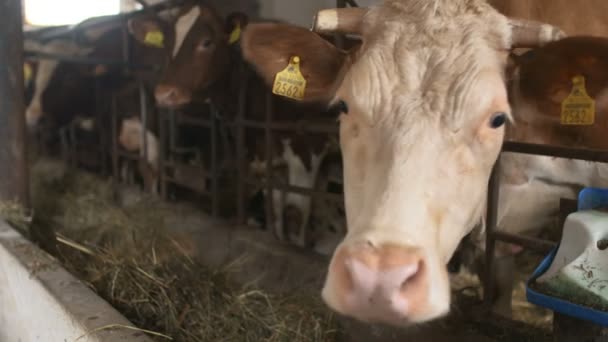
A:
171,96
378,284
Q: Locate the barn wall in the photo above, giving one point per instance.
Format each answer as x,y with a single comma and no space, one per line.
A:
40,301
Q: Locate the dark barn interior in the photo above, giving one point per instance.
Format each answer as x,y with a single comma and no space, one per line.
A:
147,153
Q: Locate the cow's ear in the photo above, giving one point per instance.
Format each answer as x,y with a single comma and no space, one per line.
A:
235,24
147,31
270,47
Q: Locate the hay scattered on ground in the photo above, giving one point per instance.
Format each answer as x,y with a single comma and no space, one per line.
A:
127,257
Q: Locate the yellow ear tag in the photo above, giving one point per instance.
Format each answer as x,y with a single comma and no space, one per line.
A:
235,35
27,73
578,108
154,38
290,82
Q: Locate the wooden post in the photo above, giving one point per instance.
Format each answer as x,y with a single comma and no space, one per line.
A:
14,175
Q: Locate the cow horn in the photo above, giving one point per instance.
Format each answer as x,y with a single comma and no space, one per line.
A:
339,20
528,34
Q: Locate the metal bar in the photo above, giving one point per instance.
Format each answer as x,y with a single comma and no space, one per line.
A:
184,119
14,173
214,163
557,151
172,180
269,193
300,190
130,156
162,136
101,131
114,138
537,245
491,221
126,48
240,144
172,133
37,55
72,143
339,38
291,126
143,112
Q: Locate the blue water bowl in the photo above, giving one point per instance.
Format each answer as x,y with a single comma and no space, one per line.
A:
559,305
588,199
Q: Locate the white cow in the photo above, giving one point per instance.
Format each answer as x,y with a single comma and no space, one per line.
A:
423,108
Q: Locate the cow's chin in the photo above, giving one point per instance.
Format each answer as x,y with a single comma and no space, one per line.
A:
388,284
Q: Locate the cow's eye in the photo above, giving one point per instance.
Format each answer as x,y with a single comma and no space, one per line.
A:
341,107
498,120
205,44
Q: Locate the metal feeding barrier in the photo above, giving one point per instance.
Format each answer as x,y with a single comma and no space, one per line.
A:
114,153
270,127
534,244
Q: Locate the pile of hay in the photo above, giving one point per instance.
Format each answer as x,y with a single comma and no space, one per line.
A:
125,254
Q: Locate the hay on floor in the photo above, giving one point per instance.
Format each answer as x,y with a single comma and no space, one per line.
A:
128,257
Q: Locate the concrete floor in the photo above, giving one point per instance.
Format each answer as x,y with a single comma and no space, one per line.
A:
277,267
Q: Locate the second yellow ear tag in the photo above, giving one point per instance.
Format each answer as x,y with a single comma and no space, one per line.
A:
290,82
27,73
155,38
578,109
235,35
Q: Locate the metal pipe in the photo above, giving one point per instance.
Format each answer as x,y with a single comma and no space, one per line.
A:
557,151
491,221
37,55
270,222
143,107
162,136
14,173
301,191
537,245
172,133
240,144
114,137
214,162
315,127
194,121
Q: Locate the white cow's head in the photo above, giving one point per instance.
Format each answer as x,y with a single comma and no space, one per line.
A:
424,105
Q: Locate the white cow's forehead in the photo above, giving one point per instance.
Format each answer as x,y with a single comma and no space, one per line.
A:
183,26
408,64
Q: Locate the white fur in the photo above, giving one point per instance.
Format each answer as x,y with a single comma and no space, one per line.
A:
416,143
183,26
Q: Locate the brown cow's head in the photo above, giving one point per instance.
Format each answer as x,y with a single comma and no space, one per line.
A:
423,105
197,44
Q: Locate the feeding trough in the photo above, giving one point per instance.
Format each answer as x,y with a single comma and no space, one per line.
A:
573,278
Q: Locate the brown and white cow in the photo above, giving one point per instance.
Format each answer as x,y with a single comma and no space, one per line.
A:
424,106
531,186
65,93
204,66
